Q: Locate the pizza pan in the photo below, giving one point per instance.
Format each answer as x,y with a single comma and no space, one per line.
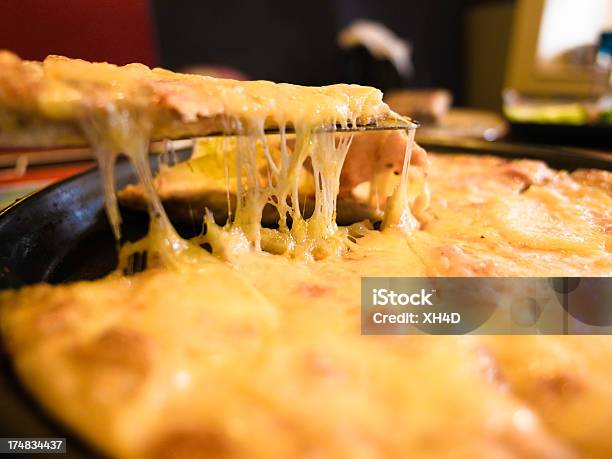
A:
61,234
584,135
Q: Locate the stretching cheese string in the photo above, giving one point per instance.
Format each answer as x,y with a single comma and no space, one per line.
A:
317,236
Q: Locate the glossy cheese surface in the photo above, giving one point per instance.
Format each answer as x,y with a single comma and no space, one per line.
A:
64,89
263,357
254,350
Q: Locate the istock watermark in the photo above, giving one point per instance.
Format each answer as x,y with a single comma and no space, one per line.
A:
487,305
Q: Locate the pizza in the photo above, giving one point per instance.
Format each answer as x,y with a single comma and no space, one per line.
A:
46,103
252,347
120,109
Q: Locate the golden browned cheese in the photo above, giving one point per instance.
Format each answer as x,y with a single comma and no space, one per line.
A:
488,216
119,109
44,103
218,362
567,380
246,354
264,357
521,216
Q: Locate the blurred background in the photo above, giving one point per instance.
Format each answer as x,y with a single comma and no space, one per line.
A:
529,71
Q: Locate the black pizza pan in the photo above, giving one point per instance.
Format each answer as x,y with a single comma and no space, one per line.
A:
61,234
582,135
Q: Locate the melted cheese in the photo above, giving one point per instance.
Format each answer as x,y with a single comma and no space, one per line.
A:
265,358
226,364
120,108
214,359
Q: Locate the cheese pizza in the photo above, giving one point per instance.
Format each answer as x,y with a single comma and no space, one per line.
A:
252,348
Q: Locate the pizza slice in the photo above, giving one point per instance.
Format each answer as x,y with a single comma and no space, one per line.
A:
47,103
120,109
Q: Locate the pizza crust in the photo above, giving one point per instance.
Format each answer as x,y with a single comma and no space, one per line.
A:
44,103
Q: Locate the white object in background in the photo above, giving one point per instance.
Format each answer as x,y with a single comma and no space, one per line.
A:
540,30
568,24
381,42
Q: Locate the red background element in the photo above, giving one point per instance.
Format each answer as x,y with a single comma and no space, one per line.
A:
117,31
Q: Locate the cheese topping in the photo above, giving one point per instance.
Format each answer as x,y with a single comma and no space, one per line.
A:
227,364
311,238
119,109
